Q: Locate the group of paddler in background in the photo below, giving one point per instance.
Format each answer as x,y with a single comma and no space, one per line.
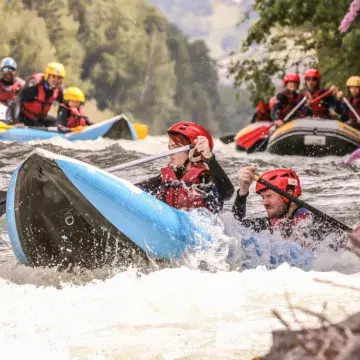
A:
315,101
30,101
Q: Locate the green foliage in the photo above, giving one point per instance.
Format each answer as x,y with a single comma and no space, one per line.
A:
123,53
313,27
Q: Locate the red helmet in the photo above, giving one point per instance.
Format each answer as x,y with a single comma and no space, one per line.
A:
291,77
262,106
312,73
272,102
282,178
191,131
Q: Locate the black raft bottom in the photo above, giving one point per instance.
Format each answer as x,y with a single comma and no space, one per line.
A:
119,130
58,226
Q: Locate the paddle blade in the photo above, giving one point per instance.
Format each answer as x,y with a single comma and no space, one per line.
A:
251,138
5,126
141,130
78,128
227,139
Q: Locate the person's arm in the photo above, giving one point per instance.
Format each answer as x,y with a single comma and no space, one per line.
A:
88,122
239,207
222,182
62,117
151,185
29,92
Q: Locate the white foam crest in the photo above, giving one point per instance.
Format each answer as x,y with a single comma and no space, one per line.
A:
168,314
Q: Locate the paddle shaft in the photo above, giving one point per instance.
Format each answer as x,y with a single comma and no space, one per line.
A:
347,102
325,94
150,158
301,203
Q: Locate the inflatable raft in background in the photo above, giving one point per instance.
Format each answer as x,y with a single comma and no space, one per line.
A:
118,127
63,212
304,137
314,137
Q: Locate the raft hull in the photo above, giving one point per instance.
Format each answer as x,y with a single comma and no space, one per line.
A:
118,127
314,137
64,213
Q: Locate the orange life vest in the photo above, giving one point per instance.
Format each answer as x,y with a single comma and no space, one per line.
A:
77,117
40,105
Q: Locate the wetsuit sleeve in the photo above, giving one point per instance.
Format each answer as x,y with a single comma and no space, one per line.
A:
281,102
29,92
222,182
60,97
151,185
63,115
88,122
344,112
239,207
254,118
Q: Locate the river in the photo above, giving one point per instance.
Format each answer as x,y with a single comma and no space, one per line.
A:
183,312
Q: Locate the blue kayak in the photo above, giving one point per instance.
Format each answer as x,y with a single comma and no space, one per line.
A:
63,212
118,127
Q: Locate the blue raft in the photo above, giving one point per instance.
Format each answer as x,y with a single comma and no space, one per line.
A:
63,212
116,128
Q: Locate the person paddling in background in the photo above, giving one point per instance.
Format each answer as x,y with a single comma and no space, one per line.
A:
10,84
287,99
71,113
353,85
192,179
36,98
262,112
320,108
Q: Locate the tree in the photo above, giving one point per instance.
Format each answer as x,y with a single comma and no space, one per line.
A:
305,27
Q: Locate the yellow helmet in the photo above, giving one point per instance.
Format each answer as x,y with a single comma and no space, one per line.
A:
353,81
74,94
54,68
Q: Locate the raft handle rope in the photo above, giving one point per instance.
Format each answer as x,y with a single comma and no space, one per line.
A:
301,203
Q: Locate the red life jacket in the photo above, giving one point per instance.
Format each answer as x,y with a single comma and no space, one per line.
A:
318,108
9,91
40,105
298,215
181,194
355,102
293,99
263,115
77,117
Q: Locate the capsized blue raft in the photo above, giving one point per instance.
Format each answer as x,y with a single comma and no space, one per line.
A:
63,212
118,127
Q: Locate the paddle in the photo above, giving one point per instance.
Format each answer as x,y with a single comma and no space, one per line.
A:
117,167
301,203
150,158
257,146
347,102
49,128
227,139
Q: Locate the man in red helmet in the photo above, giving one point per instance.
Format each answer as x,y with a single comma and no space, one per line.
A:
262,112
287,99
192,179
320,108
277,207
283,215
